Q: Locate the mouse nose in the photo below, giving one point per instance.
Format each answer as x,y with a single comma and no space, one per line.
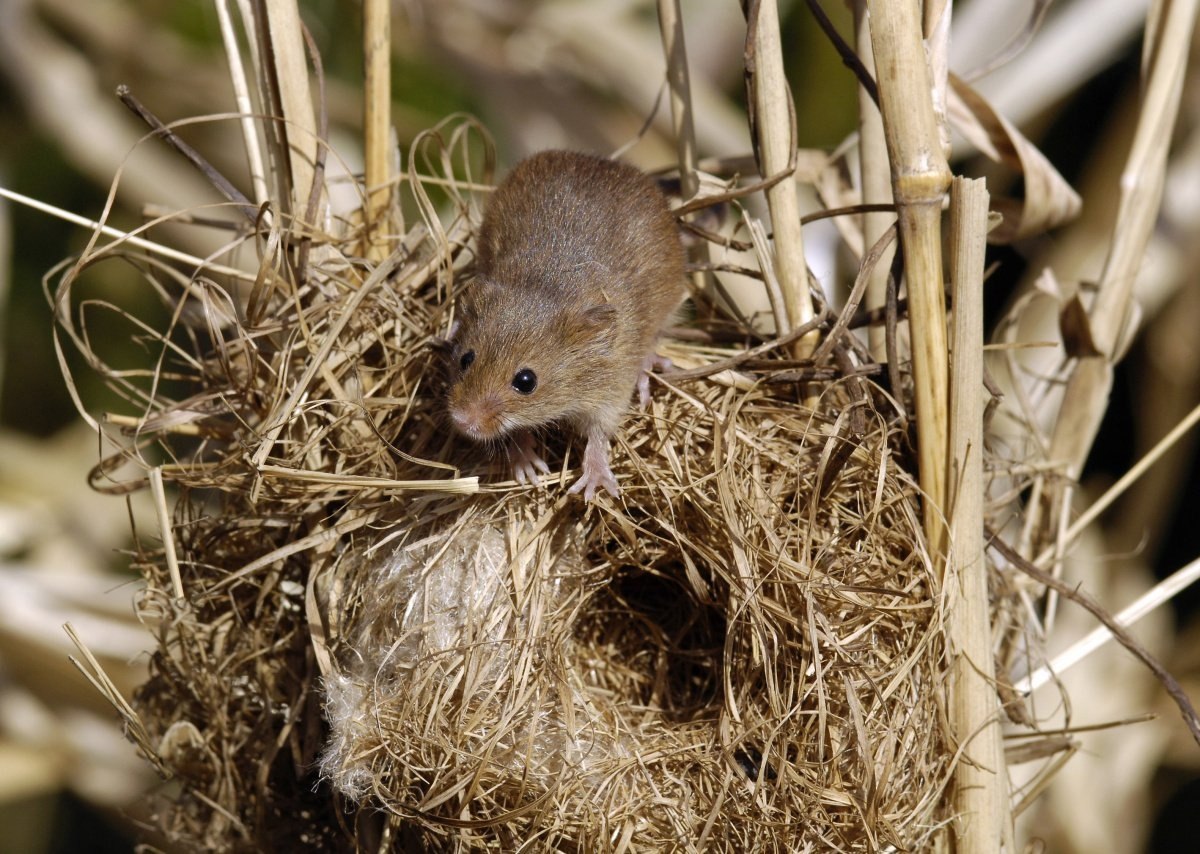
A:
478,419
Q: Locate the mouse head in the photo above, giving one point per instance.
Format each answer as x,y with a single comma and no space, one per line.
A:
518,364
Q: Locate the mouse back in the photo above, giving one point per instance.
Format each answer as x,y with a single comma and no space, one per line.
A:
579,263
583,229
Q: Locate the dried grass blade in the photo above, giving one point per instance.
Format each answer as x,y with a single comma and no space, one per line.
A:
936,29
167,133
455,486
164,526
1068,591
1163,592
135,729
245,105
124,236
1048,201
1126,480
670,24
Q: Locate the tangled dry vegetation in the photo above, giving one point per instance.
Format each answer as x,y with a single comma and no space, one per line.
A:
368,638
744,651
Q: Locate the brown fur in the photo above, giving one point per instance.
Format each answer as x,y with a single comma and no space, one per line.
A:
579,265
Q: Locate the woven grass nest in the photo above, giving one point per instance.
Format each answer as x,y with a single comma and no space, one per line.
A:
369,636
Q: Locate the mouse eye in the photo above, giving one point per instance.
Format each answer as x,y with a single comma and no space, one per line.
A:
466,360
524,381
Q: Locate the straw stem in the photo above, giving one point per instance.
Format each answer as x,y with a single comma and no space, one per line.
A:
876,180
670,24
295,96
377,121
245,105
1142,181
920,178
774,125
980,788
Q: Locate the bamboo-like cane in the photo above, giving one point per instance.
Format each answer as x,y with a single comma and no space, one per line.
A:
776,143
981,798
920,178
377,123
295,96
876,184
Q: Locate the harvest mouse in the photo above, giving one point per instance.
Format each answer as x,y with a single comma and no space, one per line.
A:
579,265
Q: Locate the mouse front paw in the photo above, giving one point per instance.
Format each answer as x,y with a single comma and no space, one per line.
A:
525,462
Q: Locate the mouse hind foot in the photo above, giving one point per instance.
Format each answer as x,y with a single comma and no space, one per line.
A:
652,362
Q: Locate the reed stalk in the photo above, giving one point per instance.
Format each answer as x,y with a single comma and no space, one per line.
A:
981,798
774,126
1168,38
295,97
670,24
920,178
377,128
876,179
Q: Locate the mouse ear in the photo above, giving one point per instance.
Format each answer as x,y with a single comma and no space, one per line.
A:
601,316
477,293
464,313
